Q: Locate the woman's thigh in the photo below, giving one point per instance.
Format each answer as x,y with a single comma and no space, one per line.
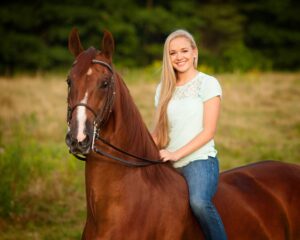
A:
202,178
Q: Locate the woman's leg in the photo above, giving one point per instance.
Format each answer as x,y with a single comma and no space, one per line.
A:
202,179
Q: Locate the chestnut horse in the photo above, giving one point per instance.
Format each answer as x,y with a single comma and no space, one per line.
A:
131,195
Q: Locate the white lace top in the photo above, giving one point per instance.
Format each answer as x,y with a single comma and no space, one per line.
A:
185,115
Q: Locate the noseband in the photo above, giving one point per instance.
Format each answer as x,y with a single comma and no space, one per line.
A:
100,121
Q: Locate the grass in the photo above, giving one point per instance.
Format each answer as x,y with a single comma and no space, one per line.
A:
42,186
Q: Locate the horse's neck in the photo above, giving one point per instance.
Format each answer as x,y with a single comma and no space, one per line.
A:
127,129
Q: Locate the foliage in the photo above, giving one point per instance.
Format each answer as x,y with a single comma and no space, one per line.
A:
232,35
272,27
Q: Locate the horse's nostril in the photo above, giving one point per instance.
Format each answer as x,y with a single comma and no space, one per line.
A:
74,143
70,141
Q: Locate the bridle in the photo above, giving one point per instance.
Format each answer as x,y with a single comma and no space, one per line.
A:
99,122
100,119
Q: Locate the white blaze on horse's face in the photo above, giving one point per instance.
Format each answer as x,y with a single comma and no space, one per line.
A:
89,72
81,119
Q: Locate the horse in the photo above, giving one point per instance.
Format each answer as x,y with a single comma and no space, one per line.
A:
132,194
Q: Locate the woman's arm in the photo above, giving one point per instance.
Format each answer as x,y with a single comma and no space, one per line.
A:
210,119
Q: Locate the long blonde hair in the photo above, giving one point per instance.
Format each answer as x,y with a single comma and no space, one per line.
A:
168,84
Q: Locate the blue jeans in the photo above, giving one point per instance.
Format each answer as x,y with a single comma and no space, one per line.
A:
202,178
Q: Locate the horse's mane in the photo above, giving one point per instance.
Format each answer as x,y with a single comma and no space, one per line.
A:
138,130
144,145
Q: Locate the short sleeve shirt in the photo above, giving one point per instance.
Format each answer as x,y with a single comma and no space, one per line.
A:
185,115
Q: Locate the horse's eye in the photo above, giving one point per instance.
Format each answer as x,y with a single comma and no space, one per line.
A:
104,84
68,81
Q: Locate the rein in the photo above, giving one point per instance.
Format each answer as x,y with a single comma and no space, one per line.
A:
100,121
146,162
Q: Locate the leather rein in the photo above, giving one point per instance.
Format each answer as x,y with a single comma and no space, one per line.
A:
100,121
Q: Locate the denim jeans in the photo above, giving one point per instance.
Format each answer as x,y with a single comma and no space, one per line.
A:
202,178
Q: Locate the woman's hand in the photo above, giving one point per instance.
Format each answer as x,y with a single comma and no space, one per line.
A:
168,156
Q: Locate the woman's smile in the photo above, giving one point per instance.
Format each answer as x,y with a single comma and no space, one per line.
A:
181,63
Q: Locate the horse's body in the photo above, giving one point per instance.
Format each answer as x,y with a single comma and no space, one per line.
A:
261,201
258,201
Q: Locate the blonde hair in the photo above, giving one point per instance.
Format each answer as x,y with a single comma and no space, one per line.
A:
168,84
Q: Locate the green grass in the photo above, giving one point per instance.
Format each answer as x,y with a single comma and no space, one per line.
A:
42,193
41,187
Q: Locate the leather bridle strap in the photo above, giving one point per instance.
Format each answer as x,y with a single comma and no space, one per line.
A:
127,153
148,161
83,105
107,108
125,162
103,63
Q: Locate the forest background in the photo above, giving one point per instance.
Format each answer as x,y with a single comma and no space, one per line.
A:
232,34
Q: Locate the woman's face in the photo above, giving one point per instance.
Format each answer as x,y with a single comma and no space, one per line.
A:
182,54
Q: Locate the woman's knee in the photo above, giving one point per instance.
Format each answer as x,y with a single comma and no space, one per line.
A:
200,206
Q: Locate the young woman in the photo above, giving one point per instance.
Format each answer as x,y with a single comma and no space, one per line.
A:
187,109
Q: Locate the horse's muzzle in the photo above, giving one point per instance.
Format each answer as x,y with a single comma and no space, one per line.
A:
76,147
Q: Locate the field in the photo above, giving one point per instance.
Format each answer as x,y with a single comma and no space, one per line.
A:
42,187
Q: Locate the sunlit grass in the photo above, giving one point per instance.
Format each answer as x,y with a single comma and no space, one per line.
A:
42,186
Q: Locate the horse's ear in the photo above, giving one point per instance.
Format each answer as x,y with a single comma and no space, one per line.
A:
108,45
75,46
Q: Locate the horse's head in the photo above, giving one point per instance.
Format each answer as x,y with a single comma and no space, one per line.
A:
91,92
